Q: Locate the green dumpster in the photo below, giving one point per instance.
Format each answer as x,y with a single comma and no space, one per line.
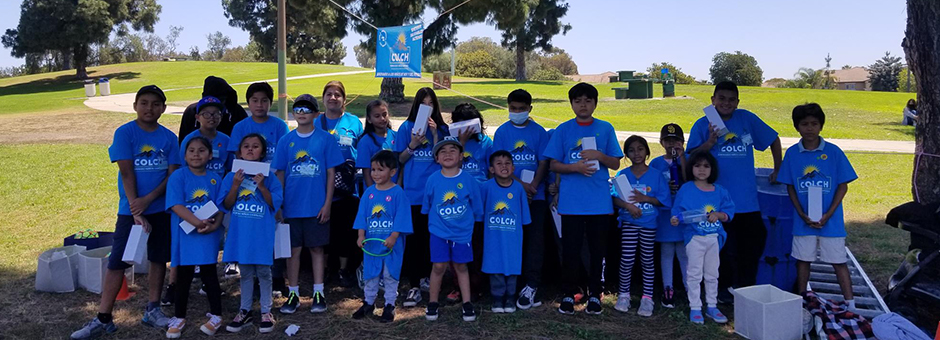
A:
669,88
625,75
620,92
649,88
639,89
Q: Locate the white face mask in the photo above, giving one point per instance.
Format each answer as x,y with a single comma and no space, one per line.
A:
519,118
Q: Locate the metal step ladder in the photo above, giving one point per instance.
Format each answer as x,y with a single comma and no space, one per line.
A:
868,302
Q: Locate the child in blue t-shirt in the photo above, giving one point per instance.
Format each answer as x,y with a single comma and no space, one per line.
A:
384,214
271,128
506,211
188,190
252,202
671,245
477,146
452,201
814,162
209,113
378,135
637,217
584,198
701,207
305,163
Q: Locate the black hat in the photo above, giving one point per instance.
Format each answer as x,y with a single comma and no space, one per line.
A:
308,101
446,141
151,89
671,130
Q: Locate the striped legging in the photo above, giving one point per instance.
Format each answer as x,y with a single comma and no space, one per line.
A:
630,235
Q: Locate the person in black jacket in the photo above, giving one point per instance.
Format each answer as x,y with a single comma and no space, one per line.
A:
234,113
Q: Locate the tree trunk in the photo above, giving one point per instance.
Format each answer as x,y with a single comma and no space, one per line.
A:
520,61
922,47
393,91
80,54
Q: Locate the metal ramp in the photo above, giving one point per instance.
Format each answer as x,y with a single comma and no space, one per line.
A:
868,302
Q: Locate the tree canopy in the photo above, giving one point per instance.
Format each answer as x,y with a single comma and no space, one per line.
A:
738,67
314,28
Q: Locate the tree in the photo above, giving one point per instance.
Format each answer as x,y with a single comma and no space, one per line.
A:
884,73
828,81
903,79
71,26
846,66
477,64
171,39
739,68
365,57
314,24
559,60
194,53
527,25
655,72
923,57
217,43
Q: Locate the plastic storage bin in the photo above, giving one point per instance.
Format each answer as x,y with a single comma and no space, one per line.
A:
765,312
780,273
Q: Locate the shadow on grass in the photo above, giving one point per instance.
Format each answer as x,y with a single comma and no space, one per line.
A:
898,127
878,247
61,83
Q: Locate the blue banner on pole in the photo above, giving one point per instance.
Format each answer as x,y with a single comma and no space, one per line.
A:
398,51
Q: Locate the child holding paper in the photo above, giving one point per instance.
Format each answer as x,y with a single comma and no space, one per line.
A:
417,162
305,163
506,211
453,202
271,128
637,217
188,190
584,198
817,175
378,135
209,113
671,248
384,213
701,207
252,201
477,145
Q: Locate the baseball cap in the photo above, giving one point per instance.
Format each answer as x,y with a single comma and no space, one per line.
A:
308,101
210,101
446,141
671,130
151,89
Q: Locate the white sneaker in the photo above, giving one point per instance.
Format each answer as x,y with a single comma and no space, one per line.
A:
425,284
646,307
623,303
231,270
413,297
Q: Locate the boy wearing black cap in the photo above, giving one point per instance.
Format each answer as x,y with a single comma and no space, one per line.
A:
671,245
146,154
305,161
452,201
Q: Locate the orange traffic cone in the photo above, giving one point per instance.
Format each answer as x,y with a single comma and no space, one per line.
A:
938,332
124,293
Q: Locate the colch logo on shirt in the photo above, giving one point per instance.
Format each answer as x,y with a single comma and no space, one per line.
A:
198,198
451,207
732,146
149,158
424,153
379,220
247,206
708,227
574,155
304,165
522,154
470,163
813,177
502,218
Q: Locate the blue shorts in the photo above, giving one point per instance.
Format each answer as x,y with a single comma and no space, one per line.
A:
158,243
443,251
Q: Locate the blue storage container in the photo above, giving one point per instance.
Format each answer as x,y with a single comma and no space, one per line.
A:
777,212
781,274
779,240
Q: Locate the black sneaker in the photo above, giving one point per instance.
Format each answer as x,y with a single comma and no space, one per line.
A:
388,314
319,303
725,296
593,306
468,313
347,279
242,319
668,299
168,295
413,297
267,323
293,301
527,298
567,305
366,309
431,312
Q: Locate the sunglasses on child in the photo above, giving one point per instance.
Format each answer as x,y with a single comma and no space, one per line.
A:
303,110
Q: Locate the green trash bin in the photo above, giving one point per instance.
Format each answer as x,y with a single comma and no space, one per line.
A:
669,89
625,75
620,92
649,89
639,89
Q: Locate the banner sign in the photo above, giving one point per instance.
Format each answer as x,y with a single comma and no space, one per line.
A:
398,51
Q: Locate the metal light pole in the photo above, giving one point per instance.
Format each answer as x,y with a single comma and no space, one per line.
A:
282,59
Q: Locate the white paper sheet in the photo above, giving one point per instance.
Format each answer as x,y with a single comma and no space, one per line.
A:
202,213
458,127
136,249
815,203
421,120
624,187
714,118
527,176
590,143
282,241
251,168
557,219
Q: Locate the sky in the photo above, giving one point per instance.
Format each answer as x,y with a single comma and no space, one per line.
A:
612,35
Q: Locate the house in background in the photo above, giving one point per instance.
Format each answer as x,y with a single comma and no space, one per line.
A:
856,78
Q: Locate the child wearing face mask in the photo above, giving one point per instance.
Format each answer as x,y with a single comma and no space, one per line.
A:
525,140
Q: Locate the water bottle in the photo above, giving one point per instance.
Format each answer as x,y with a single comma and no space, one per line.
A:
674,170
692,216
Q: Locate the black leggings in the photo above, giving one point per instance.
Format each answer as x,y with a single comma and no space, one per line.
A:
184,278
417,258
575,229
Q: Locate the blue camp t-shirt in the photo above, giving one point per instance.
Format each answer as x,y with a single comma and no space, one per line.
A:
452,205
305,162
579,194
371,144
652,184
272,129
250,237
665,232
382,212
506,211
476,157
421,164
192,191
345,130
152,153
735,154
221,157
690,197
526,144
825,167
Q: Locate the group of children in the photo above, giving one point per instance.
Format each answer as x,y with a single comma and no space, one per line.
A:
436,201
